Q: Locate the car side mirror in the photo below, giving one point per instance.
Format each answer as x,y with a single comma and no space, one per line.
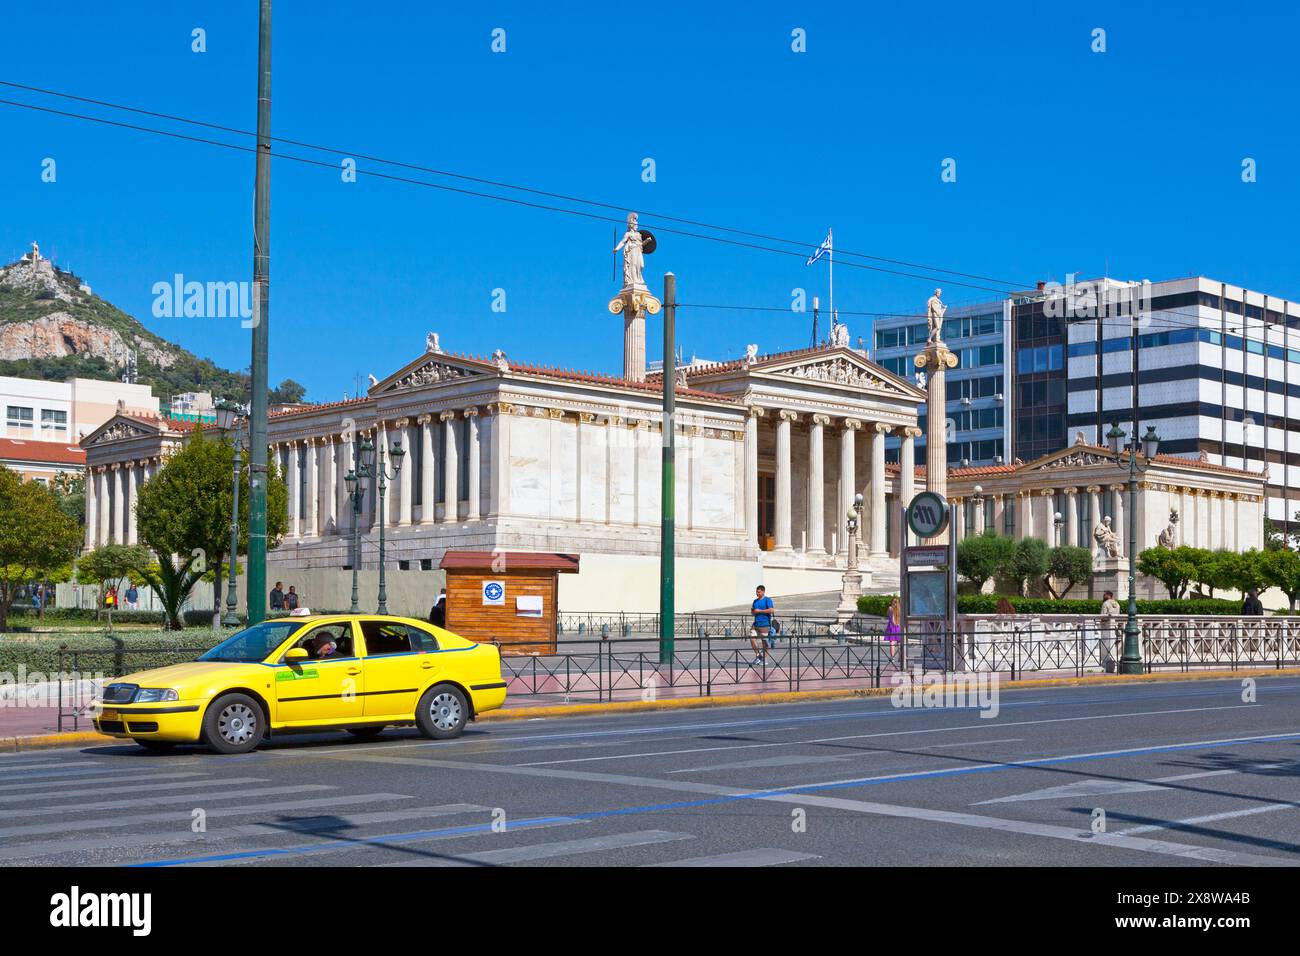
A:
295,655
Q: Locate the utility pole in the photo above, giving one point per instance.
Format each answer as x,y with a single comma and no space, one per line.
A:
668,493
256,577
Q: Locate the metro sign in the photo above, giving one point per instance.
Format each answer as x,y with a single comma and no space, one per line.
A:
927,515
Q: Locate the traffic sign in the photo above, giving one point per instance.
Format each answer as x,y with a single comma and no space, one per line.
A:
927,515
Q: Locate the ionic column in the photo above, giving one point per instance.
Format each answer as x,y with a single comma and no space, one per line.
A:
751,472
1118,521
428,472
404,479
451,468
999,513
878,539
906,475
474,459
295,492
499,458
119,505
959,518
105,508
1048,497
784,418
1094,512
816,479
343,504
1026,523
329,517
131,486
848,479
1071,517
313,489
92,507
977,514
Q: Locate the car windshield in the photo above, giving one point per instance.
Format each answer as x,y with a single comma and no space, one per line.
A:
253,644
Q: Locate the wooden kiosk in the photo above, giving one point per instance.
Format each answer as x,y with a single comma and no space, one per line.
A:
506,596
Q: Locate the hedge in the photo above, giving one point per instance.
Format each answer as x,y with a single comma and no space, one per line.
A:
29,617
877,605
98,652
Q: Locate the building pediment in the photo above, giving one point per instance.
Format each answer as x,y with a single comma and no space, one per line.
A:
119,428
432,369
837,367
1077,456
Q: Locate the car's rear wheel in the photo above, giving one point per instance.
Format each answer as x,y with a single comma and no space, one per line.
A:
366,733
233,724
442,712
156,745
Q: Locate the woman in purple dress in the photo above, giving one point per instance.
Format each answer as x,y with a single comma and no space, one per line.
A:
893,631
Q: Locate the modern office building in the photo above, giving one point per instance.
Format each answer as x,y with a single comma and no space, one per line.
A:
1218,374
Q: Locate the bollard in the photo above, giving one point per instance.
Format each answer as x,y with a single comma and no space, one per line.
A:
604,632
582,629
627,629
727,631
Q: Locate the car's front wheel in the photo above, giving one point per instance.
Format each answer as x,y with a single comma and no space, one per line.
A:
442,712
233,724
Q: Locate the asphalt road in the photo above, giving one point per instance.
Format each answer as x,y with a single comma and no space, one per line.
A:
1187,773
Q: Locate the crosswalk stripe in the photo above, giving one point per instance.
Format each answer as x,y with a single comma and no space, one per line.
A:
758,857
34,772
545,851
181,818
290,827
43,765
130,788
106,781
169,798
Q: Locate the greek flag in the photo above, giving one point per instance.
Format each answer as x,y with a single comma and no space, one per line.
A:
824,248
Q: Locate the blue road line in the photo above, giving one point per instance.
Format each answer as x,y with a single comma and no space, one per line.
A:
718,801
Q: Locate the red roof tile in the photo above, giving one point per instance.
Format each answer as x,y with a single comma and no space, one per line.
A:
41,452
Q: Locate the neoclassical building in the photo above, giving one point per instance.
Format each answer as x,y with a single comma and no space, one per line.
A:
771,450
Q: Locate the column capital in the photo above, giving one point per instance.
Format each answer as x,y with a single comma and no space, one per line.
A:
755,411
852,424
909,431
402,422
500,408
586,418
956,499
115,466
1094,489
881,428
1118,488
1071,491
821,419
471,412
786,415
1045,492
446,416
1025,493
423,419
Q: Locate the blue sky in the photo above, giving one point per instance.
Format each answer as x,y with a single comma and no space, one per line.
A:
1127,161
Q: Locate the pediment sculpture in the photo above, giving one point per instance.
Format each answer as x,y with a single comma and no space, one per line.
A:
431,373
839,371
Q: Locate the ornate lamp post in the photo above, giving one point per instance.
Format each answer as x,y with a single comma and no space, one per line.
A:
384,477
227,421
356,484
852,581
1131,661
1057,520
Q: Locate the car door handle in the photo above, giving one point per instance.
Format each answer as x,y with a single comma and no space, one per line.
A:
426,664
354,670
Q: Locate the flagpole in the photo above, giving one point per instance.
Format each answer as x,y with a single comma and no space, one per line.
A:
830,234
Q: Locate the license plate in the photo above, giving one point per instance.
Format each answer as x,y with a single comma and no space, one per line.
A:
108,715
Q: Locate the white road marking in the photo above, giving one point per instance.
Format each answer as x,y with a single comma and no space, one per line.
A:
1102,788
216,794
546,851
103,782
130,788
1208,818
756,857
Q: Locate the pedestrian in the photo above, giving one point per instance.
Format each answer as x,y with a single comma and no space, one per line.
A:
277,597
438,613
110,598
291,599
893,621
1252,606
132,597
761,609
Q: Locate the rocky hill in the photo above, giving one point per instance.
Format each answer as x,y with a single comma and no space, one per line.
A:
52,326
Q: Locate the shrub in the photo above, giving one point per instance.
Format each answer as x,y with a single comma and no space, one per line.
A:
1070,564
983,556
97,652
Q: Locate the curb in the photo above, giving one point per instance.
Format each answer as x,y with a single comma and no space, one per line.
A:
78,738
845,693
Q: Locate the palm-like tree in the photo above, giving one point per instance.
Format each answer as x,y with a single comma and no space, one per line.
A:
172,583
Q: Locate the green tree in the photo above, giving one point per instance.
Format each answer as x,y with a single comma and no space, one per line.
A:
1070,564
70,490
1247,572
173,582
983,556
1281,569
109,563
1214,570
36,537
1172,567
1028,563
184,510
288,392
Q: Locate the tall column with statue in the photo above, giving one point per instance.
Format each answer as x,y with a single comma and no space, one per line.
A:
934,362
635,300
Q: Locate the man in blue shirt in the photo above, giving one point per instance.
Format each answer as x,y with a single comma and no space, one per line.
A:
762,611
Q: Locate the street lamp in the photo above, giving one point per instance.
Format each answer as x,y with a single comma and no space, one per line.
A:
851,583
356,483
384,477
1057,520
1131,662
227,421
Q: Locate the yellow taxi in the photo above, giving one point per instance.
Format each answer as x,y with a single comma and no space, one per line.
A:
354,672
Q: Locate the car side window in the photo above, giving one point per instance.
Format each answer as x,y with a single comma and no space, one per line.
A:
327,642
389,637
